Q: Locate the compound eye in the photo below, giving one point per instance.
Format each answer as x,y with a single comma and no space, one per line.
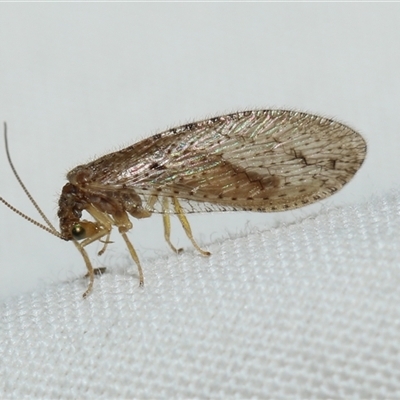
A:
78,232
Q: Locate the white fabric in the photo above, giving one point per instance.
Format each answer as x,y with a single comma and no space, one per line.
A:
306,310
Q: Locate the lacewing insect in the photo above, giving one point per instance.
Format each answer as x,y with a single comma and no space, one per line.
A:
263,160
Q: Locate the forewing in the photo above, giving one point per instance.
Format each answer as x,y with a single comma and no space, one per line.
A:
266,160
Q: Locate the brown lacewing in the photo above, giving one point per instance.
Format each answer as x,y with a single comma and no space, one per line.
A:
263,160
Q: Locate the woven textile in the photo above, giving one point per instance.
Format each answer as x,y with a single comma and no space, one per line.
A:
306,310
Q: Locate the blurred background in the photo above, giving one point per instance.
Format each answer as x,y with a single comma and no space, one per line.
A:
79,80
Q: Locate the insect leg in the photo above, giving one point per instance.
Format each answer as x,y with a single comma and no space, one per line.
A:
135,257
105,224
167,225
89,267
121,220
106,243
186,226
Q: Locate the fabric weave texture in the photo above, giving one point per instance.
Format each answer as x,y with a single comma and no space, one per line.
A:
304,310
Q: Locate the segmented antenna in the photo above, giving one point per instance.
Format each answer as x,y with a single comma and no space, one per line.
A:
50,228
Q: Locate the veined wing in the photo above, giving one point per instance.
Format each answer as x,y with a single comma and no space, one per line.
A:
267,160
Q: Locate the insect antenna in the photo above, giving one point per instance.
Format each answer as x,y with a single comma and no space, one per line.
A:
50,228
